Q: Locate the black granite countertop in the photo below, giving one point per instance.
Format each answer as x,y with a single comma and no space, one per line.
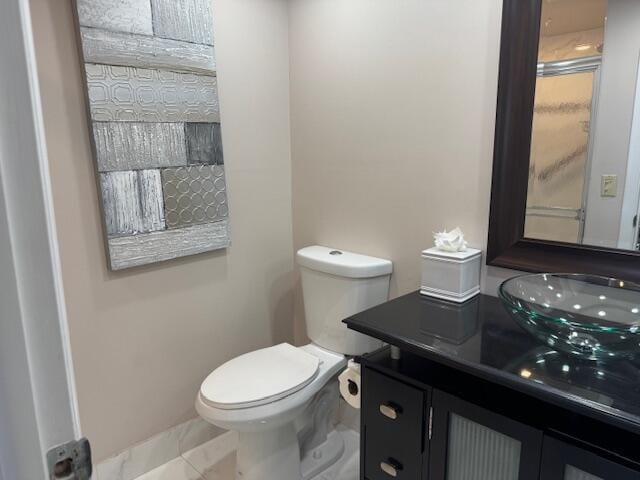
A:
480,337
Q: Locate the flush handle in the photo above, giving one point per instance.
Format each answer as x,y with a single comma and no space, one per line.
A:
390,410
391,467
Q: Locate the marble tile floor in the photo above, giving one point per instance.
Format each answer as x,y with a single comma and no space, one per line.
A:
156,451
215,460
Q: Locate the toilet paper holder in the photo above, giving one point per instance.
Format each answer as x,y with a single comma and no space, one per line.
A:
350,384
353,387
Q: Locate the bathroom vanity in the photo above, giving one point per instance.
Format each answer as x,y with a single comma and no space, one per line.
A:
474,396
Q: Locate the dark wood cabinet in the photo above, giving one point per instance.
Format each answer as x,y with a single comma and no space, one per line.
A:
394,427
563,461
498,403
413,431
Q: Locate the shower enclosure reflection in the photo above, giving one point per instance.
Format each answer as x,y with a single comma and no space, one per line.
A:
584,168
564,111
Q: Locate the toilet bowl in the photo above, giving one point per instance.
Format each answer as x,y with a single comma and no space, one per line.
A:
282,399
268,445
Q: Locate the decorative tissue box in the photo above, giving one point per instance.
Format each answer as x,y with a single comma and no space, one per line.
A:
453,276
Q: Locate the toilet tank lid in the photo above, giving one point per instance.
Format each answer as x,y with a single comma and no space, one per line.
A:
343,264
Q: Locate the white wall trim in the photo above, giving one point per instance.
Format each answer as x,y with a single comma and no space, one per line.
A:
45,178
38,407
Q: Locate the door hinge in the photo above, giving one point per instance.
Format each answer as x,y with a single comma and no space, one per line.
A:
430,422
71,461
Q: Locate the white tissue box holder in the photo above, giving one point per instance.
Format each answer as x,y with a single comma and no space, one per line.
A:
453,276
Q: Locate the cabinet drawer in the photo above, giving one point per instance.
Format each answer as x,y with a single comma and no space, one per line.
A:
394,426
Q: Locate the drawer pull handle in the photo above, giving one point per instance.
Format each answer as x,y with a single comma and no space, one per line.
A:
391,467
390,410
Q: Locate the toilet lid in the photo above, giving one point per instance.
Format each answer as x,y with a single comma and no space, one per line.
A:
260,377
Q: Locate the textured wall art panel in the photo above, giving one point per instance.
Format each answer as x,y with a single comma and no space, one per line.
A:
121,201
135,250
204,143
125,49
137,146
194,195
151,84
151,200
132,202
129,94
133,16
189,20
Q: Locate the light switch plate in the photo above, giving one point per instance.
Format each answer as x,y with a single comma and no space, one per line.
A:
609,186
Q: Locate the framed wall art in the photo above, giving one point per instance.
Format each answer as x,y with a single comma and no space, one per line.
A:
152,95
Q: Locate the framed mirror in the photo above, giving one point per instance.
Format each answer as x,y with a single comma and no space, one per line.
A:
566,175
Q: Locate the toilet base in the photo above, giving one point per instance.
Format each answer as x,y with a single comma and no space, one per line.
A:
298,450
272,454
279,456
323,456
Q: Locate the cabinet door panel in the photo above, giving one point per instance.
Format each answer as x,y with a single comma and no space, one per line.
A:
393,425
573,473
479,452
471,443
562,461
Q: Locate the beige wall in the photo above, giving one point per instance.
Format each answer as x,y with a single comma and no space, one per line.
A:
144,339
613,127
392,115
392,111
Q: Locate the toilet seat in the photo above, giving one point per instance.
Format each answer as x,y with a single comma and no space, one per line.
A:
260,377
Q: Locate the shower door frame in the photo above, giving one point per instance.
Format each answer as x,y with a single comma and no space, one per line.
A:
559,68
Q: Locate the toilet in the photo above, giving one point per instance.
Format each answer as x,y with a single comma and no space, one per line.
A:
282,400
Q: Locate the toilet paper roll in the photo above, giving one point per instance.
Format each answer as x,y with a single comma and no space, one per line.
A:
350,384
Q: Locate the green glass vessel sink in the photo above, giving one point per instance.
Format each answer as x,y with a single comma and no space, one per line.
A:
585,315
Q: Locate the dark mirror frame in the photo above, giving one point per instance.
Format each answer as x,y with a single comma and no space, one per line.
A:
507,246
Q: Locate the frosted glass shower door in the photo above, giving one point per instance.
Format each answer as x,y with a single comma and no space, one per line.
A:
559,163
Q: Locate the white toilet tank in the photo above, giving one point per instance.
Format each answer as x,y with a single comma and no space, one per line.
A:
336,285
